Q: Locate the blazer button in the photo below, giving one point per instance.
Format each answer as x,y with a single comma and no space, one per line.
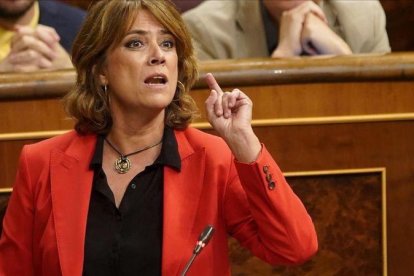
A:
272,185
265,169
269,177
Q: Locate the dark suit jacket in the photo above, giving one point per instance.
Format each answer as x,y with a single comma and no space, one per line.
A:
65,19
45,223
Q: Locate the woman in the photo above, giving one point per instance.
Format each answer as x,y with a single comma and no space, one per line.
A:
131,189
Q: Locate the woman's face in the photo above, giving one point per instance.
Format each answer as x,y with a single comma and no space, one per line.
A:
141,72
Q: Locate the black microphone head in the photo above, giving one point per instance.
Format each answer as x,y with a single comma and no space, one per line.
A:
206,235
204,238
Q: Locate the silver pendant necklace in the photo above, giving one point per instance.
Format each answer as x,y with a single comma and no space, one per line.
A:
123,164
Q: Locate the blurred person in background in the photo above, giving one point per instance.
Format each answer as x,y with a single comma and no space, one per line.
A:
286,28
37,35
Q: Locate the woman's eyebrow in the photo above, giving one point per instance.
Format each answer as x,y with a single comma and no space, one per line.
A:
144,32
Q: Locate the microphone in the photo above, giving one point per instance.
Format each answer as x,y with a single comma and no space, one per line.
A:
203,240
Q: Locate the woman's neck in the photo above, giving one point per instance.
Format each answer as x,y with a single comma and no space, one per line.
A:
129,135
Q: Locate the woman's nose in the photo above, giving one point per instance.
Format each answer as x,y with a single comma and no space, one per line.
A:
157,56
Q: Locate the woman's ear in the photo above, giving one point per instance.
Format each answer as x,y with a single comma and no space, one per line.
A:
101,73
103,79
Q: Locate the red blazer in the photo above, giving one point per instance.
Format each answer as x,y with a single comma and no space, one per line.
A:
44,227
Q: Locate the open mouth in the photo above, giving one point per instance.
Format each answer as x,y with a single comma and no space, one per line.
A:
156,79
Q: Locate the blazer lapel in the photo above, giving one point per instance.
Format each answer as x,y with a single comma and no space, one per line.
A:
71,182
331,14
249,19
182,191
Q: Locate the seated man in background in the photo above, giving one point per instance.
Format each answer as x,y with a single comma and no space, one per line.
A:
286,28
37,34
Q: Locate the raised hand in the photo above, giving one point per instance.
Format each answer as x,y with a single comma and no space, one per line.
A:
230,114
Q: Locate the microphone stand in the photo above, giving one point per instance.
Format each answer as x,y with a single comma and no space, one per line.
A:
189,263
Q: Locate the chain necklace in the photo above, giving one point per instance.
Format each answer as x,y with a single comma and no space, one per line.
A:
123,164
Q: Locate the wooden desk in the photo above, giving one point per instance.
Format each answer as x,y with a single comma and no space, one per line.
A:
342,128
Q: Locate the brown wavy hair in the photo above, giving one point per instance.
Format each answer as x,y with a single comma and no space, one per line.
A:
105,26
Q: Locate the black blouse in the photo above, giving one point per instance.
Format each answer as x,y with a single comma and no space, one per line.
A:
128,240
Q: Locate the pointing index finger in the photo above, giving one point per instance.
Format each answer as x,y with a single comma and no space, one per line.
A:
212,83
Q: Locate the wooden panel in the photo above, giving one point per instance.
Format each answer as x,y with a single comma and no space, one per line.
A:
335,114
243,72
33,115
279,88
349,217
285,101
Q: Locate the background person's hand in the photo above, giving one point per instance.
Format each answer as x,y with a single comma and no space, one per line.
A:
230,114
35,49
290,28
318,39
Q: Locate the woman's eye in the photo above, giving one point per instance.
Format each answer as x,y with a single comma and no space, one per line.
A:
168,44
134,44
